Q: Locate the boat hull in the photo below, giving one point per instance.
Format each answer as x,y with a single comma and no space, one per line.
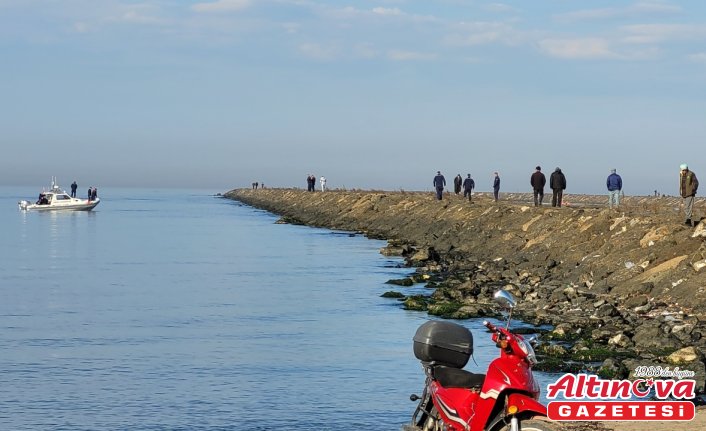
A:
77,205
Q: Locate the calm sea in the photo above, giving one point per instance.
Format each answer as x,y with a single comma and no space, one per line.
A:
178,310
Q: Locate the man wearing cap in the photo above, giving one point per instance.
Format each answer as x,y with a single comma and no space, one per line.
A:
688,184
615,185
439,183
537,181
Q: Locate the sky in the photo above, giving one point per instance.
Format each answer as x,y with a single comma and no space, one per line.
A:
381,94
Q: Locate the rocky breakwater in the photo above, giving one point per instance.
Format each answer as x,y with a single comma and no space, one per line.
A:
616,289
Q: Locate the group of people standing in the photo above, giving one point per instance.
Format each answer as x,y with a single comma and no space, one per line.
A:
92,192
467,184
688,186
311,183
557,182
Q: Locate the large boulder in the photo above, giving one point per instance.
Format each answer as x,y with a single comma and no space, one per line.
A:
650,336
686,355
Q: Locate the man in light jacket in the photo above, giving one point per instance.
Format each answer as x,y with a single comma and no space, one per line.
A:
688,184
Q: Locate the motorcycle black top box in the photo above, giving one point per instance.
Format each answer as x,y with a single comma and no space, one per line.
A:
443,343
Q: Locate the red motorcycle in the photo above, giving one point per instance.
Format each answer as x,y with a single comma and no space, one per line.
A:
505,398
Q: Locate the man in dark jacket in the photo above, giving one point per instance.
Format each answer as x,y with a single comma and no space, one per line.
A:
468,186
496,186
688,184
439,184
457,183
557,182
615,185
537,181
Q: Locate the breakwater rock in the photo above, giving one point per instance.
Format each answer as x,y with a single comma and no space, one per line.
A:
620,288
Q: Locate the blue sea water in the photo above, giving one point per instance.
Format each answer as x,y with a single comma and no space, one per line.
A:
179,310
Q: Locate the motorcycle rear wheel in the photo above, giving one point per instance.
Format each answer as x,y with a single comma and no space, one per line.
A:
535,425
430,423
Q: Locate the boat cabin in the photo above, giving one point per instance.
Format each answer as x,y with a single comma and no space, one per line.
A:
48,198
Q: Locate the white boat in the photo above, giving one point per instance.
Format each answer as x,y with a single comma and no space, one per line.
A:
57,199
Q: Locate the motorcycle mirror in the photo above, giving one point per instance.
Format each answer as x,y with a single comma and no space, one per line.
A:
505,299
533,340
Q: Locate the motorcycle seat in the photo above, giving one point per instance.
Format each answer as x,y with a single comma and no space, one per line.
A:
450,377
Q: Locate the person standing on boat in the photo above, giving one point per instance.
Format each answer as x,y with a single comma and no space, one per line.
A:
94,193
74,186
90,193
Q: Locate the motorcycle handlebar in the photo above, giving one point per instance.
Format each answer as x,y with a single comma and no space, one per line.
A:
495,329
489,325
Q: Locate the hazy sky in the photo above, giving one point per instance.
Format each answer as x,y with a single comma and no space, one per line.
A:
370,94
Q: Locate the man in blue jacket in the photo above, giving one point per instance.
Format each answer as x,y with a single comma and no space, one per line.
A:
615,185
468,186
439,183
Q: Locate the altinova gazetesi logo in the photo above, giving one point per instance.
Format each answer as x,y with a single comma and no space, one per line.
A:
650,397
